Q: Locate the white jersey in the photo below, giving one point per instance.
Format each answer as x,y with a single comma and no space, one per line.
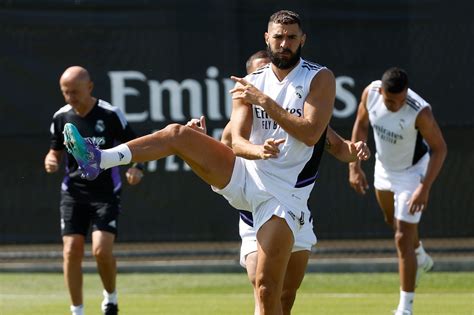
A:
290,177
399,145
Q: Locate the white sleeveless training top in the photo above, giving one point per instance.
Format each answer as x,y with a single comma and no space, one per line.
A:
399,144
290,177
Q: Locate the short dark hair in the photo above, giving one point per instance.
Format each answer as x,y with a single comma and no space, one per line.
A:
259,54
394,80
285,17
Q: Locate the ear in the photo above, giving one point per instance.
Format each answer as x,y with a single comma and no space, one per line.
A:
303,40
266,36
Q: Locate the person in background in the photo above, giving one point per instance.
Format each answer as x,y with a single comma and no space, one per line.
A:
410,151
86,204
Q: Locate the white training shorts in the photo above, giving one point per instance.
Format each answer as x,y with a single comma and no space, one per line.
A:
403,184
249,242
245,192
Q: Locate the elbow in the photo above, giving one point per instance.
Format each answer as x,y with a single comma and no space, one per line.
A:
311,141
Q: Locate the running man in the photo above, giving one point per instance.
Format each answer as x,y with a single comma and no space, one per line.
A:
410,151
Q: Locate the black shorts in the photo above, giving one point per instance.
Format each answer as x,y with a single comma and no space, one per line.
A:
78,214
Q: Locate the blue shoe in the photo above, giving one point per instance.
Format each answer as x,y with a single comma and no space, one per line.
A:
84,151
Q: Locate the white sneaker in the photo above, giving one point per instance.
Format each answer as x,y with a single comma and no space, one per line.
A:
426,266
405,312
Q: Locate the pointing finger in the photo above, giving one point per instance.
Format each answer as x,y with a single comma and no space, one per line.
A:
239,80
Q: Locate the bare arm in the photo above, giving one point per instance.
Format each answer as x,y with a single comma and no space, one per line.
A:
357,178
429,129
345,150
241,126
52,160
318,107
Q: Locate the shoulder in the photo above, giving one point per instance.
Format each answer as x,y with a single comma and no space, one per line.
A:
109,108
416,102
311,66
323,77
259,71
66,108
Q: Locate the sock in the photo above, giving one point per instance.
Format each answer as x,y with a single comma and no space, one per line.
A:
119,155
420,254
109,297
406,301
77,310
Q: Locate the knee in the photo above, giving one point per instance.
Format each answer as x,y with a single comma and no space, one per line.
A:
73,252
403,242
173,130
101,254
266,292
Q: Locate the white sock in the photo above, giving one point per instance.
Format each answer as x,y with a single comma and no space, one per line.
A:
406,301
420,254
119,155
109,297
77,310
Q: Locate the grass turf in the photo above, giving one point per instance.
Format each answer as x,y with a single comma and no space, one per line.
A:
154,293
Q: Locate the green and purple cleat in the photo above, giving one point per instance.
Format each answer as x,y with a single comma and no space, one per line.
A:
84,151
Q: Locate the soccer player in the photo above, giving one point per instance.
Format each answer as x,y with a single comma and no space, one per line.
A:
410,151
279,122
85,203
342,149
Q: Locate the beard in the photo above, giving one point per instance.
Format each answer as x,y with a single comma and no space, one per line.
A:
281,62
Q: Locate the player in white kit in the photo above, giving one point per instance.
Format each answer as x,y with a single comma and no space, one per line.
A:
410,151
279,121
344,150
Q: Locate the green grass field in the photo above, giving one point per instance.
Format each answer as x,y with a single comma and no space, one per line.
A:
222,294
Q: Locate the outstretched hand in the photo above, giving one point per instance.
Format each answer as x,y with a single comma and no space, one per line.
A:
270,148
134,175
358,180
360,149
198,124
246,92
419,200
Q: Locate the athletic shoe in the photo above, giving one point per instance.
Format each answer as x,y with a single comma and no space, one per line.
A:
84,151
405,312
426,266
110,309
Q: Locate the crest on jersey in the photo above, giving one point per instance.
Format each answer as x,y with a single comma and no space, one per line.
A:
401,123
299,91
100,126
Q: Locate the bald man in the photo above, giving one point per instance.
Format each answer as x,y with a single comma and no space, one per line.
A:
85,204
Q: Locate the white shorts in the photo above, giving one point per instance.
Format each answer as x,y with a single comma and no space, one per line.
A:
249,242
246,193
403,184
240,184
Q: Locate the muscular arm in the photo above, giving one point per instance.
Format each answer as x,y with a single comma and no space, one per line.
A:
318,109
431,132
361,125
345,150
357,178
241,126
